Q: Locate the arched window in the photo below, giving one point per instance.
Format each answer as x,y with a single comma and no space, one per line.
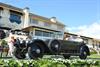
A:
1,10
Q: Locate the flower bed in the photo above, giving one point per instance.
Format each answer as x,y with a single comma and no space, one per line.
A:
49,63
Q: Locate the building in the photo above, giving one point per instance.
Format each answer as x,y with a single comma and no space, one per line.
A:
37,26
11,17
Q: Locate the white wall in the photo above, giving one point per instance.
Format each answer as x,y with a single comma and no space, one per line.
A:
26,18
25,21
90,43
52,26
5,22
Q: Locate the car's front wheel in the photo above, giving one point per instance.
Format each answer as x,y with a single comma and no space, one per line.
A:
18,54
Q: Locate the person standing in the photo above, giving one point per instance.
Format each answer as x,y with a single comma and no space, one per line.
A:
11,46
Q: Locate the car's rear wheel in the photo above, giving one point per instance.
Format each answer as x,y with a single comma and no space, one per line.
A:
83,54
35,51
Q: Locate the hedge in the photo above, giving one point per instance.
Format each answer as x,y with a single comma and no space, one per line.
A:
49,63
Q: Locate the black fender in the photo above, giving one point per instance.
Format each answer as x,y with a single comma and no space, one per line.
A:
42,44
86,48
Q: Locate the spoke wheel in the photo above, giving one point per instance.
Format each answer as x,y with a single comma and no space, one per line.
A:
55,46
18,54
36,51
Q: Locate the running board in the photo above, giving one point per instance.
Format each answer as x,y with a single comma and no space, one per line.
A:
70,54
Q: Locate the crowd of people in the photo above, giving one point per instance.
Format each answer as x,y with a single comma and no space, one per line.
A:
14,43
13,40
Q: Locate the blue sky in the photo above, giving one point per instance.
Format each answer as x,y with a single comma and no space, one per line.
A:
70,12
73,13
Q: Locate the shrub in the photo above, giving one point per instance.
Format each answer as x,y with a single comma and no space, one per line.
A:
3,43
93,51
50,63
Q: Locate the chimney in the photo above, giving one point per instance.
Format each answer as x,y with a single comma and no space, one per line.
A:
26,18
53,19
26,9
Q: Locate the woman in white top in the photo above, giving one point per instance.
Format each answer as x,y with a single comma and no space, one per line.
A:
11,46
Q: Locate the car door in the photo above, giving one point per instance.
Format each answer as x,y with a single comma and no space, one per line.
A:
70,46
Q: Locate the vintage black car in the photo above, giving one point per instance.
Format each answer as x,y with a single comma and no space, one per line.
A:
37,48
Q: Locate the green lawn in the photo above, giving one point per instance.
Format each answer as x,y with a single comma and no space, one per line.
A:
94,56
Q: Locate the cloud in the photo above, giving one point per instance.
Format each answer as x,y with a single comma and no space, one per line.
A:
92,30
77,28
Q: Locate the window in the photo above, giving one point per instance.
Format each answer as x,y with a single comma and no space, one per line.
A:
46,34
58,34
33,21
47,24
0,13
15,18
43,33
38,33
59,27
1,10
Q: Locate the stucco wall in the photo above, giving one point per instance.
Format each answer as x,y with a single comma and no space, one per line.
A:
51,26
5,22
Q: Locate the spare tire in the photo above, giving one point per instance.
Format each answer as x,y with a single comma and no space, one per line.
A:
2,34
55,46
35,50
